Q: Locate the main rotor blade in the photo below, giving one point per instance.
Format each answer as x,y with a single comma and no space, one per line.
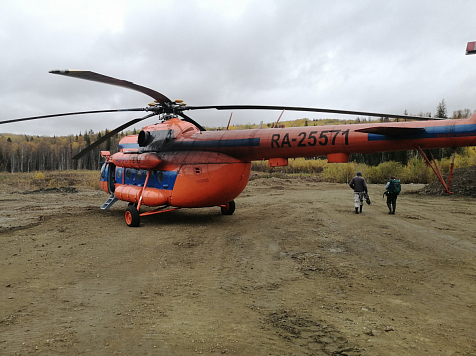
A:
96,77
70,113
189,119
296,108
110,134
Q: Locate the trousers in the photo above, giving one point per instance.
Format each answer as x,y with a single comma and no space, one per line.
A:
358,199
392,202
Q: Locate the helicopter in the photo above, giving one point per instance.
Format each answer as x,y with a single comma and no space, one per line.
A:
177,163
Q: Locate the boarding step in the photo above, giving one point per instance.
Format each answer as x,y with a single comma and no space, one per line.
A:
109,202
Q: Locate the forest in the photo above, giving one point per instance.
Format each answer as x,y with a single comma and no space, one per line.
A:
25,153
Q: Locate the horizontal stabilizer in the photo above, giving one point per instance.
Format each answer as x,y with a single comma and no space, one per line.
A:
391,131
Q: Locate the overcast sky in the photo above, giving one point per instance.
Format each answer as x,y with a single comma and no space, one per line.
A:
365,55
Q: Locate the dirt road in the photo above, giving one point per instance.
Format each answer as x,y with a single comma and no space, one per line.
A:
293,272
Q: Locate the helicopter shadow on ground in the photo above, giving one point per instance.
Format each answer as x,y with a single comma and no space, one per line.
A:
186,216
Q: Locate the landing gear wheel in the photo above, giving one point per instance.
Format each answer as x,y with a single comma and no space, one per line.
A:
132,216
229,208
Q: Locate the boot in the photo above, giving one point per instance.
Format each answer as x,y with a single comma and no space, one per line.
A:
361,209
356,210
389,208
394,206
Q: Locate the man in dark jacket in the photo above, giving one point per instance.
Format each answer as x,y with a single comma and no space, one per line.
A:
359,186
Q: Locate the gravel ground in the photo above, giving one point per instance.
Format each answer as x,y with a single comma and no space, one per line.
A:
293,272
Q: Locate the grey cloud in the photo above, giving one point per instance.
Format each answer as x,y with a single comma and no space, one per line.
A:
367,55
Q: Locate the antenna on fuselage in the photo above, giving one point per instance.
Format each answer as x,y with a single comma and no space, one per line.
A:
279,118
229,120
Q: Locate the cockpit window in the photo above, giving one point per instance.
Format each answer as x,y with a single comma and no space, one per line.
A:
154,140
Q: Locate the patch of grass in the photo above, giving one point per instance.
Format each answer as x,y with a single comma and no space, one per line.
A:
416,171
49,179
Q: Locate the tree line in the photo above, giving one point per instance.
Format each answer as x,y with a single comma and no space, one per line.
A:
25,153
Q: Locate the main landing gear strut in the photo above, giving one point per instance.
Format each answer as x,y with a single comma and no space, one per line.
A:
133,215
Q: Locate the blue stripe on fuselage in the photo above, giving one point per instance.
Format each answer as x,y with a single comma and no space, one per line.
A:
431,132
197,144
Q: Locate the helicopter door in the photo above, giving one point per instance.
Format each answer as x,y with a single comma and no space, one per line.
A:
111,177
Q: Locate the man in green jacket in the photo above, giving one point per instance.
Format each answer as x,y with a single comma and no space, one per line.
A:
392,189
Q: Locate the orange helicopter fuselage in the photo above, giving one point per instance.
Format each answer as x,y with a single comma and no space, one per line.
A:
175,164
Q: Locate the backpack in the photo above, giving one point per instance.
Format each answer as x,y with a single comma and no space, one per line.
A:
394,187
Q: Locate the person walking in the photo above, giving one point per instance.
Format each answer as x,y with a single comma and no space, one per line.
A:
359,186
392,189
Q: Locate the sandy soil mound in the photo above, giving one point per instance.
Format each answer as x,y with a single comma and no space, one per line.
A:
463,183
